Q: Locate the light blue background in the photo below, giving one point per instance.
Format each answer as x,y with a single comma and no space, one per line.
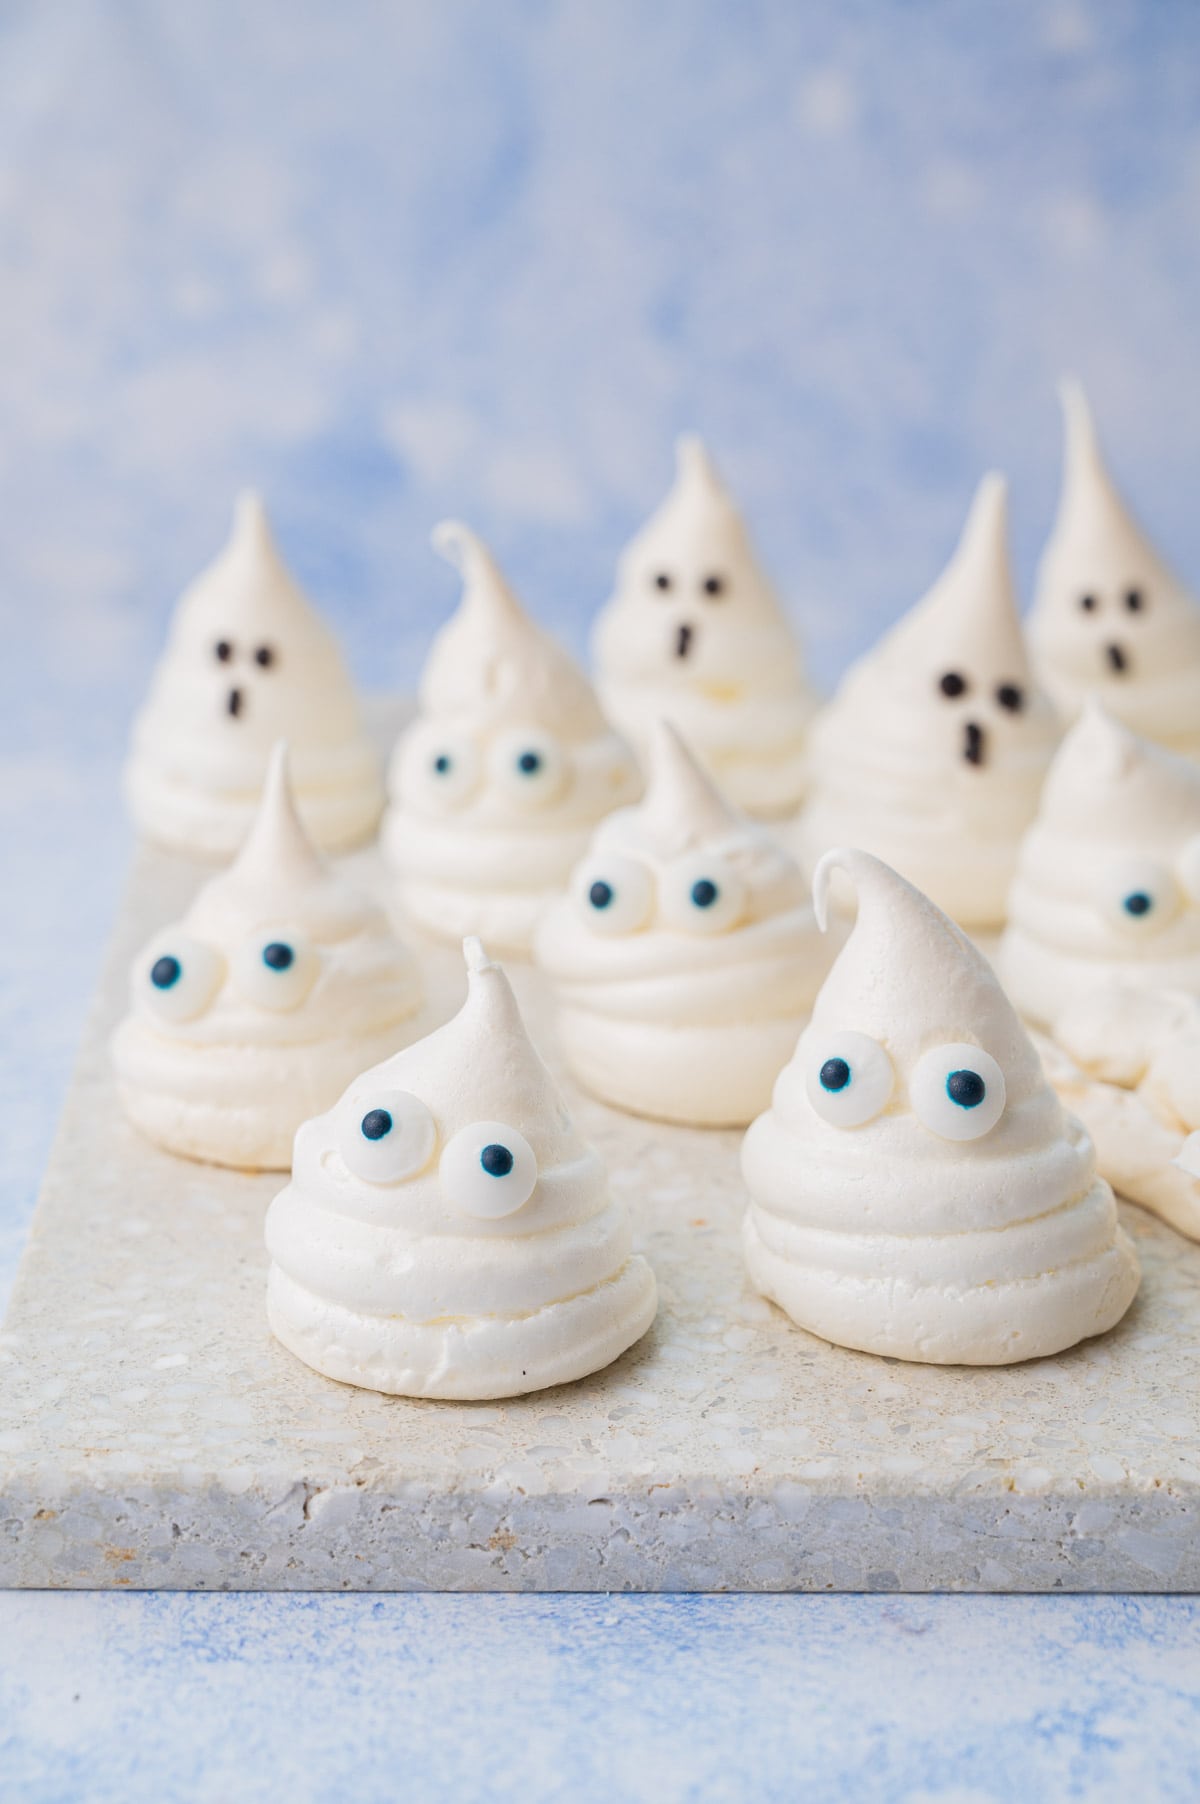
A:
392,262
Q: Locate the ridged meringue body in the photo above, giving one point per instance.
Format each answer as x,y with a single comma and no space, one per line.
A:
1108,881
256,1010
685,956
484,1257
496,786
933,750
249,662
916,1189
694,634
1110,619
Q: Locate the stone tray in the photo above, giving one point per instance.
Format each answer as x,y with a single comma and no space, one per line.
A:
152,1434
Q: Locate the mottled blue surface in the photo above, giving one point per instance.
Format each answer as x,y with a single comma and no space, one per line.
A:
392,261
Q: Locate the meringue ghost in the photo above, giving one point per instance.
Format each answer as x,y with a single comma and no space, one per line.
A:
686,955
1127,1062
933,750
1108,881
249,662
916,1189
253,1012
694,634
1109,618
446,1232
498,783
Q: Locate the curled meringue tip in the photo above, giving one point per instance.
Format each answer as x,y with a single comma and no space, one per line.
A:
458,544
485,590
1187,1159
838,858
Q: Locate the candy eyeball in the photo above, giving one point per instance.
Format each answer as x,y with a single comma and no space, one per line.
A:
488,1170
703,895
1141,895
180,978
276,971
385,1136
439,770
530,766
849,1079
957,1091
615,895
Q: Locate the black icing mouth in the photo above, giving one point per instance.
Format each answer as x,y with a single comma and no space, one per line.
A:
235,701
974,743
1118,659
685,639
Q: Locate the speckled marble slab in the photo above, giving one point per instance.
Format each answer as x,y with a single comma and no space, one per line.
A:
153,1434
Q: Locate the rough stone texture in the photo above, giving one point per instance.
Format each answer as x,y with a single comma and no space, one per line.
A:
153,1434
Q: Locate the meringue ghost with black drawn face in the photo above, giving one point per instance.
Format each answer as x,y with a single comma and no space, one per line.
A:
916,1189
496,786
256,1009
446,1232
1108,884
694,634
933,751
685,956
1110,619
249,662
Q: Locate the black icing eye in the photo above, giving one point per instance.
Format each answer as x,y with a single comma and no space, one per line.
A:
714,585
529,763
264,656
1010,696
966,1088
952,684
1088,603
834,1075
223,651
496,1160
1135,601
704,892
165,972
278,955
663,581
375,1124
1137,903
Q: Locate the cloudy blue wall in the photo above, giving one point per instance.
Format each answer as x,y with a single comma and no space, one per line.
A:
395,261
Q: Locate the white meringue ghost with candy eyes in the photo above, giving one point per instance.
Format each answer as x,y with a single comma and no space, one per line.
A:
249,662
693,633
1108,881
916,1188
933,750
256,1010
496,786
446,1231
1110,619
685,956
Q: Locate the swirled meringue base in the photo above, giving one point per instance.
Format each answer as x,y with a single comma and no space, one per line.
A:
848,1290
213,824
694,1076
1044,980
240,1105
473,1359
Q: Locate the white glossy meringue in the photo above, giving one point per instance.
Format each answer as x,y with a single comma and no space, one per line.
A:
1127,1061
249,662
694,634
891,1231
1108,881
933,750
485,1257
256,1010
1109,618
498,783
685,956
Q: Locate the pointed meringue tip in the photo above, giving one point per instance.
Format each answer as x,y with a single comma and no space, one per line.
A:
278,776
693,461
987,519
250,515
1079,425
475,956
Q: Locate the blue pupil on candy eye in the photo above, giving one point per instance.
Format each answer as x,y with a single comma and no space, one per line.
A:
1138,904
375,1124
529,762
277,956
164,972
835,1074
496,1160
441,764
600,894
704,892
966,1088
